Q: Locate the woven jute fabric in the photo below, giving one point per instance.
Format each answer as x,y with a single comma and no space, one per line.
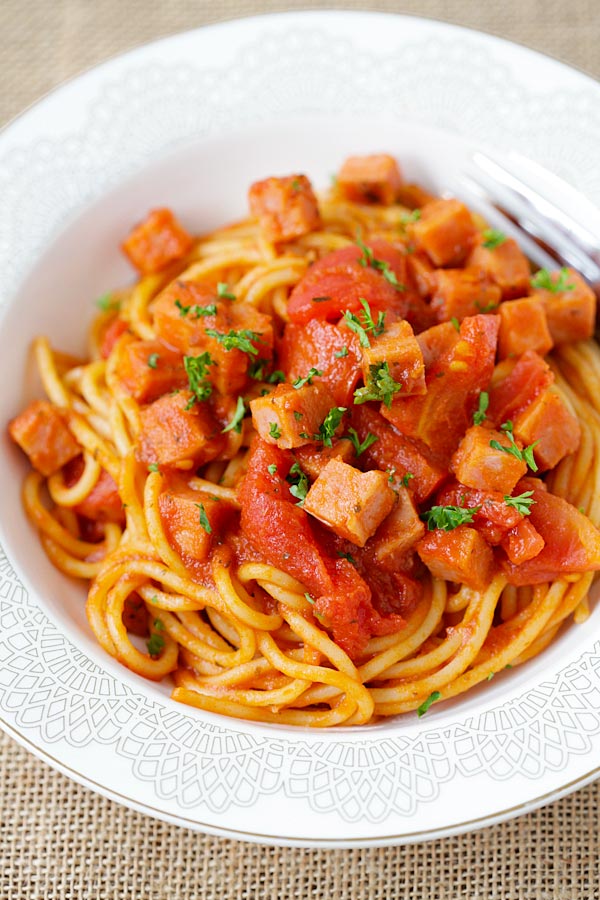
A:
59,841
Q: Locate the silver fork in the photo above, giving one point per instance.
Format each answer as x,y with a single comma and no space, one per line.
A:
547,234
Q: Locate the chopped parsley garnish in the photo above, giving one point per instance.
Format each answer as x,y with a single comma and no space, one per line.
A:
490,676
183,310
155,644
204,523
485,308
365,323
257,368
153,467
274,430
391,474
347,556
522,503
493,238
296,184
360,447
447,518
413,216
380,386
223,291
340,354
380,265
272,469
406,478
196,368
320,299
479,416
298,481
106,303
455,323
236,422
196,310
298,415
427,703
153,360
545,280
158,625
308,597
237,340
526,454
300,382
330,424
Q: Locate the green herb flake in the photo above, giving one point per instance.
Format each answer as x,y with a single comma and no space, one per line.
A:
296,186
522,503
237,340
406,478
223,291
203,518
196,368
236,422
485,308
298,415
455,323
347,556
490,676
447,518
330,424
309,598
551,281
363,323
153,360
340,354
427,703
106,303
479,416
183,310
298,481
153,467
408,218
526,454
360,447
300,382
380,386
493,238
155,644
272,469
380,265
158,625
274,430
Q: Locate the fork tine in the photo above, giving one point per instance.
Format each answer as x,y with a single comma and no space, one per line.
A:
527,212
472,193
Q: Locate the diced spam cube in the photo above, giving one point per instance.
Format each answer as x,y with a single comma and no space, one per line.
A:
445,231
147,369
523,326
370,179
422,272
180,513
290,417
172,434
41,432
399,348
399,532
548,421
463,292
517,386
313,459
478,465
461,555
523,542
177,311
571,313
103,503
436,341
352,503
286,208
156,242
505,264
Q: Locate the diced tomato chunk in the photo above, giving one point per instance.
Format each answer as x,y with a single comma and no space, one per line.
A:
525,381
461,555
523,326
492,516
147,369
338,282
103,503
41,432
181,510
397,347
112,334
171,433
135,616
291,417
572,542
285,207
350,502
445,231
442,415
571,313
505,264
523,542
463,292
397,454
478,465
334,351
370,179
157,241
548,423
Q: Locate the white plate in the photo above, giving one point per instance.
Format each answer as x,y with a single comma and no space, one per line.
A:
189,122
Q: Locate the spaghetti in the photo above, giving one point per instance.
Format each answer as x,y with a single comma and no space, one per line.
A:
335,462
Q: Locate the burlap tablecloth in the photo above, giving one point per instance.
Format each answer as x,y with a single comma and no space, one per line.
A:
59,841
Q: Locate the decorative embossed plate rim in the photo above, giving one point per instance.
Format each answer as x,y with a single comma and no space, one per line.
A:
525,741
